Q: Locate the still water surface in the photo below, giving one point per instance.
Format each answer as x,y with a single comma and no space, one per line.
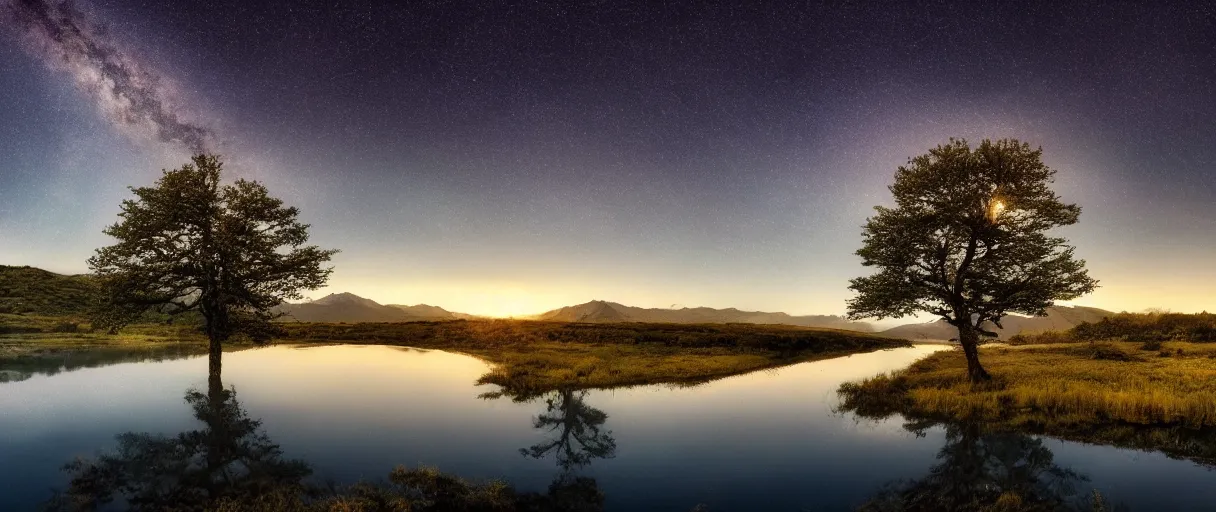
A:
764,441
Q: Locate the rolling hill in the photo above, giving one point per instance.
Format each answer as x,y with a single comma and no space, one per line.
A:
351,308
29,290
1058,318
598,311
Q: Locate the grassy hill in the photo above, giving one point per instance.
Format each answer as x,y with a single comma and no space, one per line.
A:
33,291
351,308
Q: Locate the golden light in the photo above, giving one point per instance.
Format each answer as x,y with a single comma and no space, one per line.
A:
996,208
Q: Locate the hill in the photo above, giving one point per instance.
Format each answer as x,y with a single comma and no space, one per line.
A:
29,290
598,311
351,308
1059,318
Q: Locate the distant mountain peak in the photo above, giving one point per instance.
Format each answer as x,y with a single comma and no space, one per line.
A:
344,297
351,308
602,311
1059,318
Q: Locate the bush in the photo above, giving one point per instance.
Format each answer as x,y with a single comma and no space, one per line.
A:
1107,352
1042,338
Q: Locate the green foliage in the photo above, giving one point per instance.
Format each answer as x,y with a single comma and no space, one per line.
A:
231,253
29,290
967,241
1150,328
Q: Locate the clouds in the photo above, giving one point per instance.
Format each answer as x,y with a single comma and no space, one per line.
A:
129,94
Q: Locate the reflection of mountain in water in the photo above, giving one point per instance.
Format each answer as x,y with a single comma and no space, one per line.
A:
982,471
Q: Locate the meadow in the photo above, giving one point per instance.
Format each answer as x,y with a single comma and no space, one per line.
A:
1139,387
528,358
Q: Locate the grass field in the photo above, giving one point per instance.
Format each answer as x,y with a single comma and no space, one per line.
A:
528,358
1105,392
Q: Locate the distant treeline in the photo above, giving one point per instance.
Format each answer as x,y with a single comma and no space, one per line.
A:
509,333
1139,327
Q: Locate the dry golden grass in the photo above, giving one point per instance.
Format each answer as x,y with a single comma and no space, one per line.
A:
527,372
1063,386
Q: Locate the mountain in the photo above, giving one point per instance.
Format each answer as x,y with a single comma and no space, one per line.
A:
598,311
1059,318
351,308
35,291
424,311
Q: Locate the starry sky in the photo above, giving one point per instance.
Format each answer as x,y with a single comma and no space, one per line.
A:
506,158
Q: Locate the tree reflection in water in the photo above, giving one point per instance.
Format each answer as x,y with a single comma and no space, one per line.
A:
989,471
229,459
577,438
579,435
230,464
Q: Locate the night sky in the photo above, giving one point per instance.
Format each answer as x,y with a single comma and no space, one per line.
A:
508,158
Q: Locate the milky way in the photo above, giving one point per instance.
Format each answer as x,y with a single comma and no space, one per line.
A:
129,93
514,157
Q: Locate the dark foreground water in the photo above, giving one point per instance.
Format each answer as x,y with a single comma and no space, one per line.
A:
763,441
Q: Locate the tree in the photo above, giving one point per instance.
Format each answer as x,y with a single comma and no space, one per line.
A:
968,240
231,253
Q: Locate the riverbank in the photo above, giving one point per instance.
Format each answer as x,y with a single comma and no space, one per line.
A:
1120,393
528,357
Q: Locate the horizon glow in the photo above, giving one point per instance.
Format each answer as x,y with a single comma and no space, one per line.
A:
674,157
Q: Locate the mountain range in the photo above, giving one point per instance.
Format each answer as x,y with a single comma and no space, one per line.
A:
351,308
1058,318
29,290
598,311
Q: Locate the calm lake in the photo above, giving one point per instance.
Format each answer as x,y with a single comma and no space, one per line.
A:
764,441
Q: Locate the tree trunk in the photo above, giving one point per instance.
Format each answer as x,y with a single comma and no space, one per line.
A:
970,340
214,366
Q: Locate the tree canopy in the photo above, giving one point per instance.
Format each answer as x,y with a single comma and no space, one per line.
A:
189,243
969,240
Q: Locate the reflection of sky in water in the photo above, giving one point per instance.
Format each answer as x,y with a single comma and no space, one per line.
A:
767,439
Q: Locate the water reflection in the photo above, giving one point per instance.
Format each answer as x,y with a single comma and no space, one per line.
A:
576,437
21,367
229,460
230,463
577,431
979,470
